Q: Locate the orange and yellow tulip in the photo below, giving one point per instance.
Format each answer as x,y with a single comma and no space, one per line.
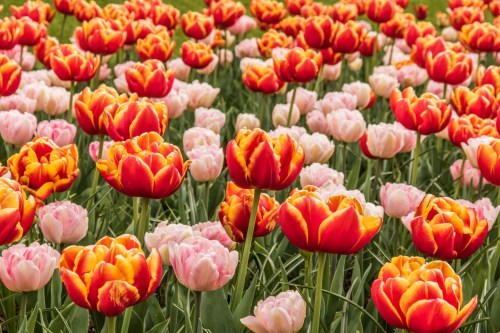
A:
427,44
468,126
298,65
43,50
480,101
144,166
319,31
490,75
488,160
262,78
461,16
10,76
272,39
197,25
480,37
234,213
86,11
337,225
111,275
166,15
348,37
420,297
36,10
97,36
150,79
44,168
380,11
294,6
267,11
344,12
31,31
452,4
157,46
418,29
448,67
196,55
66,7
71,64
10,31
225,13
113,11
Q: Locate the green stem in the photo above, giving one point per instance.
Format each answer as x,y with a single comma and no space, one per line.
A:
292,102
207,197
62,28
242,273
459,181
135,212
262,108
344,158
21,56
126,319
22,309
480,189
71,95
414,167
197,306
318,80
343,68
317,293
55,285
95,180
143,222
111,324
445,86
392,51
376,178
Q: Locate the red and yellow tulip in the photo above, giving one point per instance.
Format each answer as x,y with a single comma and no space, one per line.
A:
448,67
157,46
197,25
481,101
267,11
418,29
298,65
166,15
10,31
71,64
380,11
262,78
36,10
319,31
10,75
196,55
272,39
468,126
98,36
225,13
150,79
488,160
480,37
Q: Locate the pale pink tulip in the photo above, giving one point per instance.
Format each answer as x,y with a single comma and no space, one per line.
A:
201,264
361,90
316,121
225,57
383,84
120,69
319,175
94,150
180,69
212,119
281,112
407,219
18,102
470,148
198,136
200,94
346,125
246,120
333,101
27,268
403,46
399,200
388,70
450,34
412,76
214,231
59,130
317,148
304,99
247,48
410,138
355,65
206,162
63,222
243,25
104,72
121,84
385,140
284,313
176,103
331,72
166,233
469,176
438,89
51,100
295,132
17,128
41,75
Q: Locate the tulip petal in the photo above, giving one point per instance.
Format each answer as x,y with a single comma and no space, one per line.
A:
115,297
384,303
430,315
137,179
77,290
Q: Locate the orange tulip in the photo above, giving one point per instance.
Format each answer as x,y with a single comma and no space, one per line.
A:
10,31
420,297
488,160
348,37
490,75
254,160
150,79
294,6
134,118
452,4
111,275
319,31
344,12
272,39
448,67
234,213
17,211
444,229
427,44
157,46
197,25
480,101
66,7
468,126
31,31
36,10
196,55
291,25
10,75
226,13
426,114
465,15
337,225
166,15
267,11
418,29
262,78
43,50
90,107
298,65
71,64
315,9
135,29
396,27
380,11
97,36
420,11
144,166
86,11
480,37
44,168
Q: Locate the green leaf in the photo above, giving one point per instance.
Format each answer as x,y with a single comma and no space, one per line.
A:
337,286
160,328
60,323
80,321
215,313
495,309
354,173
154,310
245,307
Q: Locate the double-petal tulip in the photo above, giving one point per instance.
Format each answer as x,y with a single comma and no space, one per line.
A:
382,140
17,211
294,6
480,37
396,27
448,67
254,160
273,39
226,13
297,65
150,79
38,11
98,36
136,29
196,55
234,213
464,15
31,31
490,75
467,126
444,229
10,75
315,9
426,114
71,64
197,25
291,25
10,32
319,31
63,222
348,37
344,11
380,11
488,160
267,11
337,225
166,15
43,50
144,166
262,78
111,275
427,44
420,297
85,11
44,168
157,46
418,29
480,101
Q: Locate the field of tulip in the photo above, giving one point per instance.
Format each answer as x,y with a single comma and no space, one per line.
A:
258,166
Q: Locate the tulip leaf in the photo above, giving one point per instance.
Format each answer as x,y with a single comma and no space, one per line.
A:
60,323
80,321
245,307
28,325
160,328
495,308
215,313
337,286
154,310
353,173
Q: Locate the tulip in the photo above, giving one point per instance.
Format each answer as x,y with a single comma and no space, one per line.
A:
319,31
317,148
344,12
399,200
17,211
212,119
348,38
98,37
304,100
206,162
180,69
65,6
51,100
298,65
94,150
29,268
462,16
10,31
295,132
157,46
411,75
315,9
176,103
85,11
383,84
397,26
70,64
465,127
471,148
294,6
382,141
480,101
489,162
10,76
31,31
427,44
272,39
98,289
36,10
285,115
485,210
196,55
17,128
362,91
291,25
465,174
261,78
43,50
150,79
346,125
197,136
196,25
226,13
247,121
380,11
58,130
243,25
164,234
267,11
316,121
480,37
165,15
135,30
319,175
247,48
284,313
417,30
334,101
63,222
490,75
419,297
18,102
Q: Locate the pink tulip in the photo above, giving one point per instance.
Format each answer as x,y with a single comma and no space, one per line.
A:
198,136
59,130
180,69
284,313
280,115
15,54
331,72
41,75
201,264
94,150
383,84
63,222
27,268
295,132
226,56
206,162
212,119
319,175
388,70
304,99
200,94
210,67
316,121
449,34
17,128
484,209
121,84
412,76
470,148
176,103
469,175
51,100
246,120
214,231
410,138
355,65
403,46
384,140
317,148
346,125
399,200
17,102
243,25
333,101
120,69
437,89
104,72
407,219
361,90
163,235
247,48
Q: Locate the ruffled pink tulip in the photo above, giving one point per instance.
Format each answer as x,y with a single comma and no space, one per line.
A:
180,69
412,76
346,125
51,100
316,121
176,103
166,233
17,128
410,138
295,132
63,222
214,231
247,48
206,162
469,176
331,72
212,119
399,200
280,115
317,148
94,150
319,175
198,136
121,84
384,140
334,101
383,84
243,25
361,90
304,99
18,102
246,120
41,76
201,95
59,130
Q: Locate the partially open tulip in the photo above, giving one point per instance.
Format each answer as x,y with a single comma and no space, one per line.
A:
267,11
345,11
196,25
411,75
320,175
480,37
165,233
38,11
362,91
399,200
10,76
117,274
444,229
382,140
317,148
150,79
420,11
214,231
291,25
488,160
157,46
464,15
136,29
44,168
420,297
31,31
468,176
383,84
346,125
285,312
17,211
201,264
319,31
212,119
469,126
427,44
129,169
418,29
196,55
337,225
348,37
226,13
17,128
197,136
315,9
294,6
262,78
58,130
298,65
71,64
485,210
304,99
98,37
10,31
27,268
316,121
481,101
380,11
85,11
246,120
43,50
63,222
471,147
243,25
490,75
271,40
206,162
65,6
281,114
368,47
165,15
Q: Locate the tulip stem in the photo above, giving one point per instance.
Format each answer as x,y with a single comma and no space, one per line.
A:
318,80
197,306
95,180
445,86
111,324
414,167
240,284
289,118
71,94
393,42
317,293
262,108
22,308
62,28
143,222
207,197
376,178
21,57
126,319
